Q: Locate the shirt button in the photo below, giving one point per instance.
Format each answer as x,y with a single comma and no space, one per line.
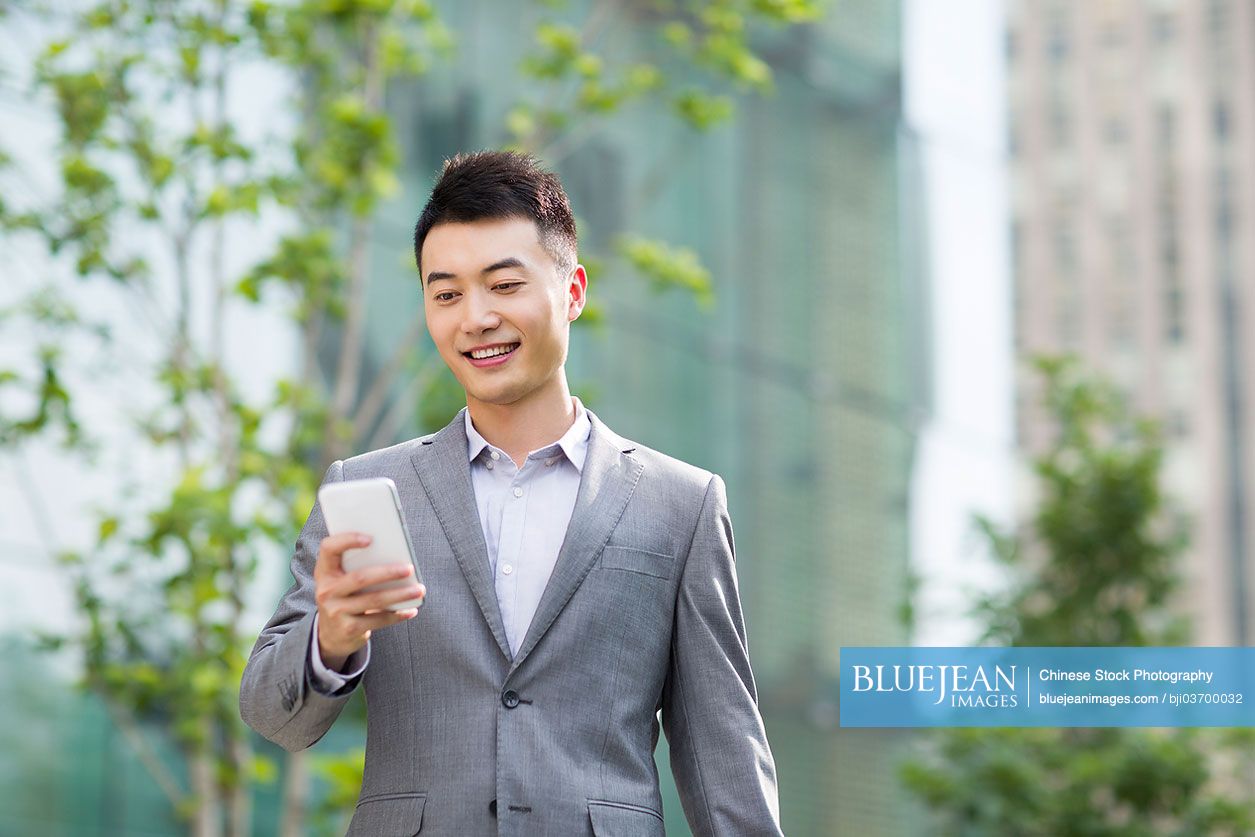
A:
549,462
506,569
510,698
518,492
495,455
489,466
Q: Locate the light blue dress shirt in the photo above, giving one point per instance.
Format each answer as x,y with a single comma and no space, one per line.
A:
524,513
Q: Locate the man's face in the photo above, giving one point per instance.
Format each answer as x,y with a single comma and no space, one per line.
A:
497,308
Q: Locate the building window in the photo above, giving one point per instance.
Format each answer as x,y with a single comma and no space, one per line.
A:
1057,46
1170,254
1114,131
1121,299
1174,311
1065,249
1121,294
1164,28
1112,35
1122,323
1218,16
1224,223
1178,424
1224,207
1224,183
1122,253
1166,126
1166,207
1220,120
1069,322
1060,125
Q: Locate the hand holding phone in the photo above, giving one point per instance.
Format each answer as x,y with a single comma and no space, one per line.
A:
362,578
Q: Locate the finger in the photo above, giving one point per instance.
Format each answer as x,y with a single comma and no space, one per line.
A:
337,597
349,584
331,551
331,592
380,599
375,621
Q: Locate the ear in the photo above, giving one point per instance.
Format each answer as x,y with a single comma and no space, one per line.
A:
577,288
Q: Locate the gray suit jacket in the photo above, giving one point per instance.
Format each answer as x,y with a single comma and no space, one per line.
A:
641,613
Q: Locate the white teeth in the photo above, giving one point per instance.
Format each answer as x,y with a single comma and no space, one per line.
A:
480,354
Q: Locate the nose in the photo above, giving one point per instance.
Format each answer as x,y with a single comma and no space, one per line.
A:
478,314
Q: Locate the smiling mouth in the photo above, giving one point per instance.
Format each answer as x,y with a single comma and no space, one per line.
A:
494,351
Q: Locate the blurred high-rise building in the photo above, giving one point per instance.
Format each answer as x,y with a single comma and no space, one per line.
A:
1132,145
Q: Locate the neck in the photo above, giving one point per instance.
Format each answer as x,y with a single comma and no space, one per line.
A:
528,424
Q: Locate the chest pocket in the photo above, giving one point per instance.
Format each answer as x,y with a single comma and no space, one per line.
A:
637,561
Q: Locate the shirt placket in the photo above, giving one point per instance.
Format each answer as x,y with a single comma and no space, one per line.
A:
510,557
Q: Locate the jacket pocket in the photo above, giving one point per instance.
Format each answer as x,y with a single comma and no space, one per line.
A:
637,561
388,815
619,819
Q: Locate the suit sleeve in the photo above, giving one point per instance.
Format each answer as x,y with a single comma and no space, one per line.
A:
723,766
278,697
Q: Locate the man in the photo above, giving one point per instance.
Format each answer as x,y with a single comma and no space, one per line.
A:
579,582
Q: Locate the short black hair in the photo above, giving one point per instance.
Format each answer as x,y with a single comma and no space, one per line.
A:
489,185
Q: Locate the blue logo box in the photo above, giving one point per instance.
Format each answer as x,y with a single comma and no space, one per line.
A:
1047,687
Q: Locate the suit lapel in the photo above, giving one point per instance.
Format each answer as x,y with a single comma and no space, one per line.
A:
445,474
606,484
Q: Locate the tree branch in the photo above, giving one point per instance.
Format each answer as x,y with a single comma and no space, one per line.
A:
352,346
134,736
373,402
403,407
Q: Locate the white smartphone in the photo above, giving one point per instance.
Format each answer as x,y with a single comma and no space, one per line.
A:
372,507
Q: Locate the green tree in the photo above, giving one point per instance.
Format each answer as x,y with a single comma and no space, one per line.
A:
1095,565
157,189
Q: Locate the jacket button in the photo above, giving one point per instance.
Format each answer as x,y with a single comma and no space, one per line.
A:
510,698
492,808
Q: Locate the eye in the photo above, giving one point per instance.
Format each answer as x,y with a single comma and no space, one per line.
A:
506,286
445,296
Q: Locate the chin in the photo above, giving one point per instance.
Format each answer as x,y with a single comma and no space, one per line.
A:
494,396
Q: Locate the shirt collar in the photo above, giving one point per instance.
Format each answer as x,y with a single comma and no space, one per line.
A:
574,442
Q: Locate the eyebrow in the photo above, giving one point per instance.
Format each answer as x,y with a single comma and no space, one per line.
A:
502,264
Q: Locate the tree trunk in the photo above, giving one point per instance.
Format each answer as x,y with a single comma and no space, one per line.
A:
352,344
208,818
241,799
295,795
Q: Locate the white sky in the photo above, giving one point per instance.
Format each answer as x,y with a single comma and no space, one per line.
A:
954,91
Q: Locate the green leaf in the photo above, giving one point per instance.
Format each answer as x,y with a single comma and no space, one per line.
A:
521,121
677,34
789,11
668,267
108,528
263,770
218,202
190,58
701,110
